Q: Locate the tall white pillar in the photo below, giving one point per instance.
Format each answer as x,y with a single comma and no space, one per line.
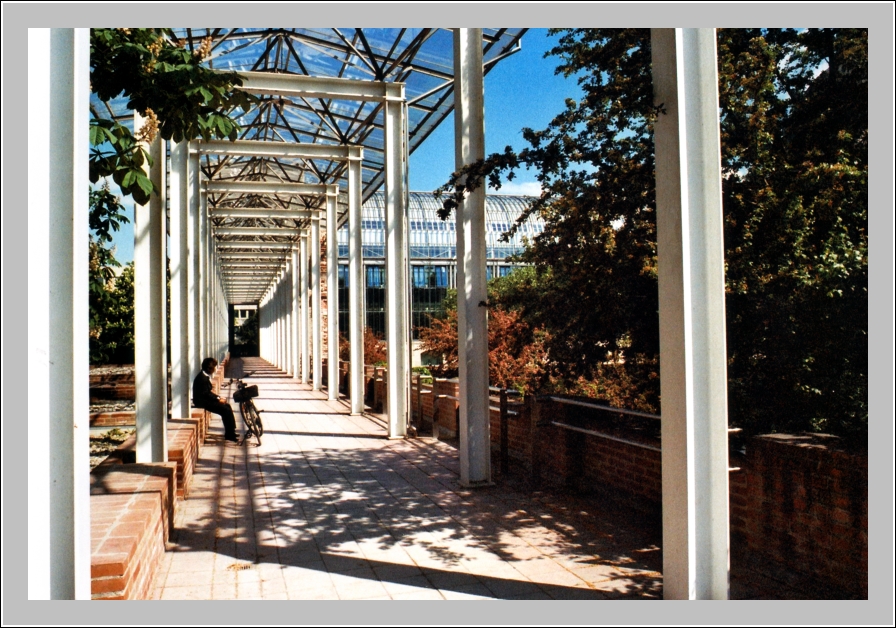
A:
317,327
355,286
472,322
193,275
262,327
58,351
397,332
690,258
278,347
179,262
202,282
150,319
303,255
295,304
288,300
332,299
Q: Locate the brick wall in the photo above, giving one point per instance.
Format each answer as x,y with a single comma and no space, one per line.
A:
802,500
798,500
443,410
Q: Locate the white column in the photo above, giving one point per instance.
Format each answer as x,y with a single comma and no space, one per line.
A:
472,322
692,315
332,300
355,287
179,262
295,304
150,320
306,362
58,351
203,283
397,333
262,323
276,311
193,276
316,328
288,318
281,322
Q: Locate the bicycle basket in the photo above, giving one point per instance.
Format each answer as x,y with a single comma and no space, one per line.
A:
244,394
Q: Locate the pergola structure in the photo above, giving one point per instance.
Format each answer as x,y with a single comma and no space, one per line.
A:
340,111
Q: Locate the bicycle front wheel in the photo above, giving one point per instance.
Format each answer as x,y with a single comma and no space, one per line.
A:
254,421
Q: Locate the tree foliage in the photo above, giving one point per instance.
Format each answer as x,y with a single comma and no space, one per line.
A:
246,335
105,216
112,336
794,166
516,358
164,80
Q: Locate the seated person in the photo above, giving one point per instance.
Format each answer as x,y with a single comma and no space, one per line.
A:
205,398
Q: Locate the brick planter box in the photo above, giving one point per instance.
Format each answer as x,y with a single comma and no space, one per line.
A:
183,449
131,514
102,419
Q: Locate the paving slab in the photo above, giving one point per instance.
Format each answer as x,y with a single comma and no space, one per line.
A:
328,508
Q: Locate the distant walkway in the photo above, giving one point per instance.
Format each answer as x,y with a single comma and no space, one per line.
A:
328,508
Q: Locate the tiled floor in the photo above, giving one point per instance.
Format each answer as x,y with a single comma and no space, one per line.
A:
328,508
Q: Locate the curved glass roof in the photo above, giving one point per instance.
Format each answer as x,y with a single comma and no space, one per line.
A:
434,239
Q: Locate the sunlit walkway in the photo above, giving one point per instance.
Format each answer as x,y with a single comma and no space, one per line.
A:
328,508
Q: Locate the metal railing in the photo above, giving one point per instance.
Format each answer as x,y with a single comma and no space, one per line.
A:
611,409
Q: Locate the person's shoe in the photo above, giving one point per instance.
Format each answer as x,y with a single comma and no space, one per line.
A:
232,439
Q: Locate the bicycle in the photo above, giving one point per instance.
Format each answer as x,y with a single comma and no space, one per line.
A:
251,415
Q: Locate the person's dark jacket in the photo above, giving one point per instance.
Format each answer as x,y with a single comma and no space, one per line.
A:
203,395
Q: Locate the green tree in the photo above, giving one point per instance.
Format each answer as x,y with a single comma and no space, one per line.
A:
794,163
247,335
105,215
114,342
165,81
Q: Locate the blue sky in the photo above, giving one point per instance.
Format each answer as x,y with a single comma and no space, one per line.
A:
520,91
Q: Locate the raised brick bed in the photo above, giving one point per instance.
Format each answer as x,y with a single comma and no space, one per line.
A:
183,449
131,514
132,510
111,419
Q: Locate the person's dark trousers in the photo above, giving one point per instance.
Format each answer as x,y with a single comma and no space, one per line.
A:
226,413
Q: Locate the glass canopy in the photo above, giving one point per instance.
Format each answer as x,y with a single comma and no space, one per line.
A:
420,58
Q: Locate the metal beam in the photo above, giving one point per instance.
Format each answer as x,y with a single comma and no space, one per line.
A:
261,212
257,244
229,255
265,187
308,87
288,232
260,148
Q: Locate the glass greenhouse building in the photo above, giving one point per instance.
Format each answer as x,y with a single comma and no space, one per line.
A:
433,253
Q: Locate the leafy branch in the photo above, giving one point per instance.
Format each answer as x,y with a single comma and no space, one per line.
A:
179,98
